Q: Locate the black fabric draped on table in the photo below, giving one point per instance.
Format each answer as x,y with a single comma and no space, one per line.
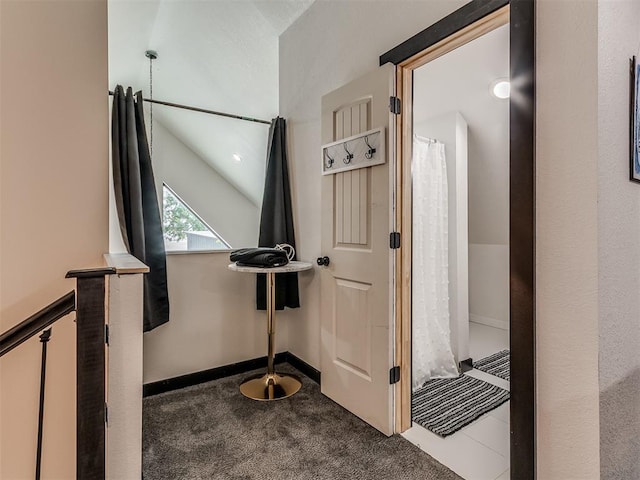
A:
137,201
276,219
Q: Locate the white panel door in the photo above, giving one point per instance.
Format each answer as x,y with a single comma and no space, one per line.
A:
356,328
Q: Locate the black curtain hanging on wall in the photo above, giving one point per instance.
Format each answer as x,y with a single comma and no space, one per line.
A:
276,219
137,202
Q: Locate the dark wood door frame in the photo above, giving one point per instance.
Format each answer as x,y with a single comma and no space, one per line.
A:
522,204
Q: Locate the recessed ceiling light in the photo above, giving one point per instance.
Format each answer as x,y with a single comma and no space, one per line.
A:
501,88
237,157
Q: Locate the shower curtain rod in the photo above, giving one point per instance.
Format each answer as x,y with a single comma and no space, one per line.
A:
202,110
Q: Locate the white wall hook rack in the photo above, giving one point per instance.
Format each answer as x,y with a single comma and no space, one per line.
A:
358,151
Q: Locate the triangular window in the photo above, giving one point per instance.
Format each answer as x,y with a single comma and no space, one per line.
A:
183,228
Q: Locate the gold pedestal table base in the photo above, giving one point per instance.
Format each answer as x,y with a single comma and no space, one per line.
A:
271,385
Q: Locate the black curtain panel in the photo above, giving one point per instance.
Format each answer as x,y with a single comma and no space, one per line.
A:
276,219
137,201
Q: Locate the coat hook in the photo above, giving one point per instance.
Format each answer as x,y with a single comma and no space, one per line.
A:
328,163
371,151
349,157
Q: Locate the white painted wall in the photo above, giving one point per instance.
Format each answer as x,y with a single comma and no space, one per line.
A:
221,55
330,44
451,130
229,212
567,240
124,382
436,91
74,33
567,371
53,208
618,249
489,284
213,318
200,287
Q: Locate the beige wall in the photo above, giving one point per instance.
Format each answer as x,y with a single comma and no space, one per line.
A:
567,240
54,152
213,318
48,174
53,207
326,29
489,284
619,252
124,376
566,185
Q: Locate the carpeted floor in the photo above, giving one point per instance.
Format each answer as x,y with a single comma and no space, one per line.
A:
211,431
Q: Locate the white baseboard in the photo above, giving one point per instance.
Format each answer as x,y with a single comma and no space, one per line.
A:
491,322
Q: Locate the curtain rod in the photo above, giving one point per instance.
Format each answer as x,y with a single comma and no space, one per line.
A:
202,110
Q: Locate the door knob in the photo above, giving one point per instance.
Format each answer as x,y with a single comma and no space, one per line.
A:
323,261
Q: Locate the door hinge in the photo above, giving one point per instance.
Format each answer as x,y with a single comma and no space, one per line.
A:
106,414
394,105
106,334
394,240
394,375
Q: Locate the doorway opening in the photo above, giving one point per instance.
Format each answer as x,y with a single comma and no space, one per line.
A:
484,262
460,257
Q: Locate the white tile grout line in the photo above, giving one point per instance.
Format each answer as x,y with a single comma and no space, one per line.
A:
493,415
442,457
480,441
498,477
487,377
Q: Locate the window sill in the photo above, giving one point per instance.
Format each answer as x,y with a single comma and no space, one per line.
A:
197,252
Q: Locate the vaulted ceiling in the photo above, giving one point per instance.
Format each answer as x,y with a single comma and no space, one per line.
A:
220,55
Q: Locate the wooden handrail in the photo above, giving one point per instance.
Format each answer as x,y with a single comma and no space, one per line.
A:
37,322
90,308
49,314
91,272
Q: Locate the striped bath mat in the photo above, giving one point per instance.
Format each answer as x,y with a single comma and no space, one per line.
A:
446,405
496,364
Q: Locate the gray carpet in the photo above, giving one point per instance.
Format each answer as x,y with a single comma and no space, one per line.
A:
211,431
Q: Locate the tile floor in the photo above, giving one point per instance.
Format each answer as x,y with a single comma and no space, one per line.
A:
479,451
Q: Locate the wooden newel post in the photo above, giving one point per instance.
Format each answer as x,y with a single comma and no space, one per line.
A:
91,372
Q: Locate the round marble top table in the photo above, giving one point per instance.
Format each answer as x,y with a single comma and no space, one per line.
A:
272,385
294,266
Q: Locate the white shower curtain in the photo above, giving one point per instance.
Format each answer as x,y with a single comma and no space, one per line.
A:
432,355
